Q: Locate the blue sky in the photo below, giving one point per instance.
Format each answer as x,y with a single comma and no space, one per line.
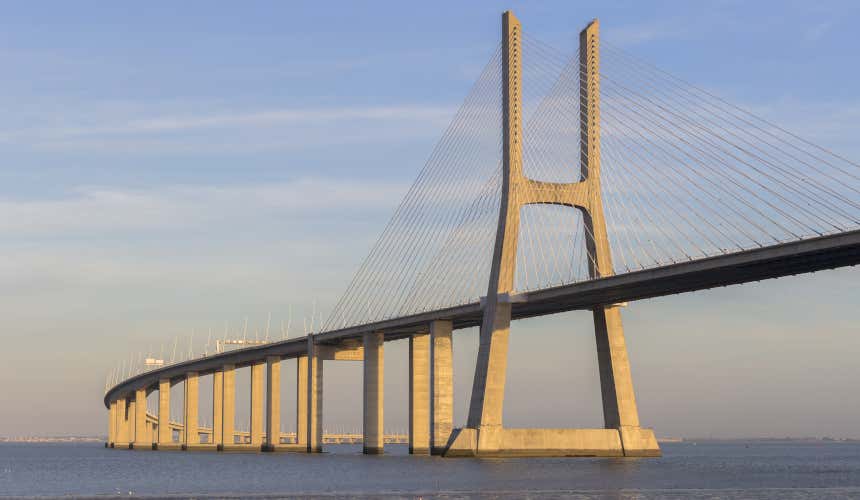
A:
167,167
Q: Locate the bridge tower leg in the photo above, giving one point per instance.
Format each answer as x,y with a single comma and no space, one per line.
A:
484,433
374,409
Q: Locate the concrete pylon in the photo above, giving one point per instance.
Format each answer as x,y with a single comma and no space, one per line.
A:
484,433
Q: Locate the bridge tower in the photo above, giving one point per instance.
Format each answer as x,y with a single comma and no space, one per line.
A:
484,433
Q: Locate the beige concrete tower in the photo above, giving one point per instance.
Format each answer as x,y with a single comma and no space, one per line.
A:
484,433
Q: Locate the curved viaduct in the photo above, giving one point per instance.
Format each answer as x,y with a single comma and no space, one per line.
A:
602,292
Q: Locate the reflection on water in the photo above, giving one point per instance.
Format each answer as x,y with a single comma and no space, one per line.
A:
755,470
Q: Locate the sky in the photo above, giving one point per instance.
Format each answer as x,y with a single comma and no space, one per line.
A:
167,168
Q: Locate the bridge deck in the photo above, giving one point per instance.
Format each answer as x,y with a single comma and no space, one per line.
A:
814,254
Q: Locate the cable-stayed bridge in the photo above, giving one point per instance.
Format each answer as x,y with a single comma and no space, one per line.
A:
565,181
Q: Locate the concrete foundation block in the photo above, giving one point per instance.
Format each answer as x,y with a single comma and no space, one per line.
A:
639,442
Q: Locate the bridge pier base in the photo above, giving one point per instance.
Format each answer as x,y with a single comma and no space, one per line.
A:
557,443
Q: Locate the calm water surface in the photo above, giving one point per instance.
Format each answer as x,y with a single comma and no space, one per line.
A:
754,470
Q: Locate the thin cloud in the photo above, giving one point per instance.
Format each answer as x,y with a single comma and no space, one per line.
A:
103,211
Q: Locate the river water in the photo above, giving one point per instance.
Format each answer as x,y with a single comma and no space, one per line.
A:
705,470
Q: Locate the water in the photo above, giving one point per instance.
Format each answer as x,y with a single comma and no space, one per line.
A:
754,470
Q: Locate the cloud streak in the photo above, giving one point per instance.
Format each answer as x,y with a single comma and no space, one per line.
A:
101,210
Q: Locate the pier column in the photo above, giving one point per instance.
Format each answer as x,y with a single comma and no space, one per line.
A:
192,402
130,418
273,397
141,434
419,394
441,385
302,400
374,372
217,407
121,424
228,405
257,374
165,434
111,425
314,398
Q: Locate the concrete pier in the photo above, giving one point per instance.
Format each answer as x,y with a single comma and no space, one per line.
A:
192,414
228,405
273,398
419,394
314,398
130,422
302,401
165,433
374,373
111,425
121,424
441,385
141,434
257,374
217,408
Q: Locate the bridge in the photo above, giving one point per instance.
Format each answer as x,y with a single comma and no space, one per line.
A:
565,182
